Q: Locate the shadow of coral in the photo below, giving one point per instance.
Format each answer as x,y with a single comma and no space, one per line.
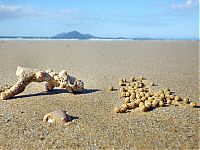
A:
87,91
74,117
54,92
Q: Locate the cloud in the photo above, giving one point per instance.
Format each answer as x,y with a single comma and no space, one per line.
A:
10,11
18,11
186,4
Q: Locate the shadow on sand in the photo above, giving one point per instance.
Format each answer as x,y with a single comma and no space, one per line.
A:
54,92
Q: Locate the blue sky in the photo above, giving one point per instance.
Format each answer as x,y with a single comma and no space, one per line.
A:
108,18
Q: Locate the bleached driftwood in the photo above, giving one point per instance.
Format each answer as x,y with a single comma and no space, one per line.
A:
27,75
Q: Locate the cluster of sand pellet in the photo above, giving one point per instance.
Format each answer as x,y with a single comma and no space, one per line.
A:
139,92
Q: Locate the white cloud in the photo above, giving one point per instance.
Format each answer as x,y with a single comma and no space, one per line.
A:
17,11
9,11
186,4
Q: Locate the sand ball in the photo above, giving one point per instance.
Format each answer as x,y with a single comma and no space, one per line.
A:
152,84
137,102
177,98
141,90
123,94
169,101
121,83
127,100
162,96
133,96
132,79
128,94
133,105
122,110
124,79
143,108
186,100
155,103
117,110
142,94
147,95
122,89
193,104
172,97
124,106
143,99
161,103
141,104
111,88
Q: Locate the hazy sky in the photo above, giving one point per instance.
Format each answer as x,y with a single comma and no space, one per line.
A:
110,18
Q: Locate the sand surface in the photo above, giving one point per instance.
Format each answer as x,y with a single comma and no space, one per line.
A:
173,64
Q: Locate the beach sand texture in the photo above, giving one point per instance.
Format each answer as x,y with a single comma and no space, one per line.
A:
173,64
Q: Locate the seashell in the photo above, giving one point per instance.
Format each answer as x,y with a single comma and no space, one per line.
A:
57,116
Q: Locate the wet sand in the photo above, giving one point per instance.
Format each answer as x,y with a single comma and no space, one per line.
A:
173,64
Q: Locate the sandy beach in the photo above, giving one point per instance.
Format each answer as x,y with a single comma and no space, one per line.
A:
172,64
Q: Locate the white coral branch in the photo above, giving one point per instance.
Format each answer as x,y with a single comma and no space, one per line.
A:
27,75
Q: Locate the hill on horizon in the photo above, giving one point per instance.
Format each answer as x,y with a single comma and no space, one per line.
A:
73,35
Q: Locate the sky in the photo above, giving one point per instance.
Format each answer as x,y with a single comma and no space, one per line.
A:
106,18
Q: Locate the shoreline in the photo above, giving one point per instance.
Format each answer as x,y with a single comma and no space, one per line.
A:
52,39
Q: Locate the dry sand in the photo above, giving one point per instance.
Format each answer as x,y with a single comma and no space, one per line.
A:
173,64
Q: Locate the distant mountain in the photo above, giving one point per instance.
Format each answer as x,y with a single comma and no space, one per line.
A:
73,35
